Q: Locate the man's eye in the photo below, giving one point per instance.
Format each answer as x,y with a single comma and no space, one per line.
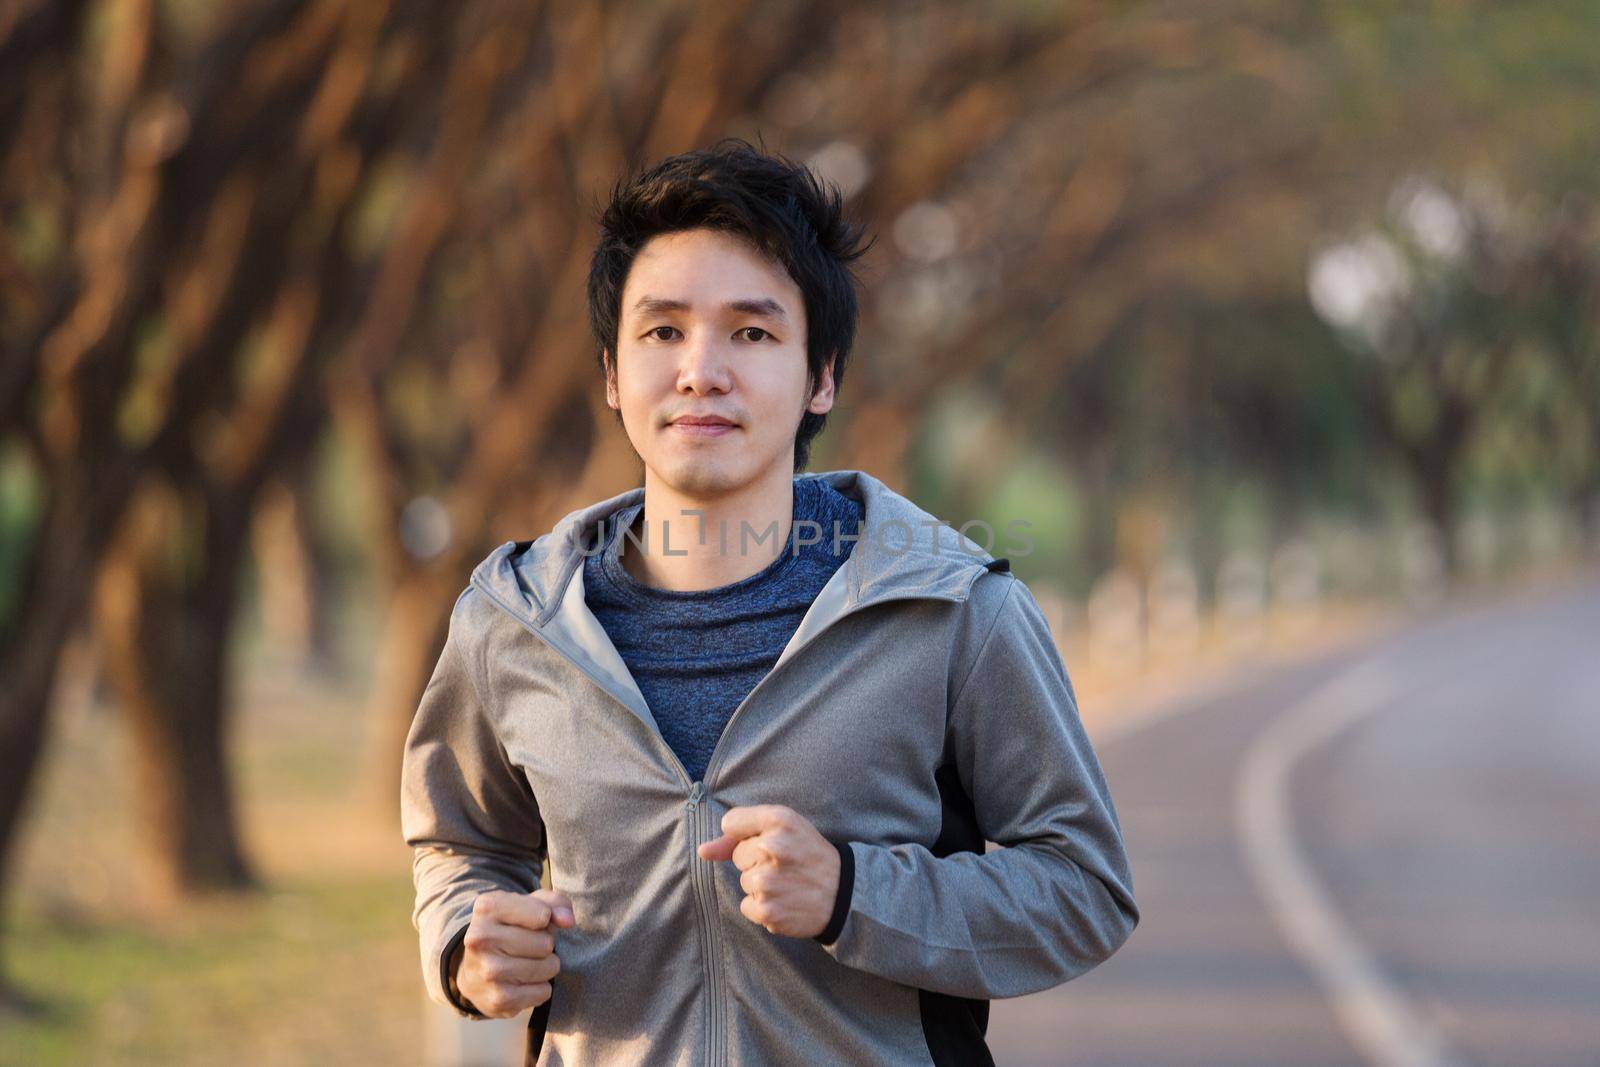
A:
658,329
757,329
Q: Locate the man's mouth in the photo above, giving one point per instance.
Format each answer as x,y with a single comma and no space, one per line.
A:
703,425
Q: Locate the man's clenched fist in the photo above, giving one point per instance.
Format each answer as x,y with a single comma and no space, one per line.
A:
791,872
508,959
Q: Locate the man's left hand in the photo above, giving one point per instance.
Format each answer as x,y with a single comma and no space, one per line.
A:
791,872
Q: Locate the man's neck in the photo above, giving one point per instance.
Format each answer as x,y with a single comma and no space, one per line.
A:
705,544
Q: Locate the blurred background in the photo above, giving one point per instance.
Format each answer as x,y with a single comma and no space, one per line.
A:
1276,322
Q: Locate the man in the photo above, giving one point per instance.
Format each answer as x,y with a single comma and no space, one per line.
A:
760,723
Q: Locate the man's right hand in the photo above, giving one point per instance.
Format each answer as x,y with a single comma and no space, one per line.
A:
507,959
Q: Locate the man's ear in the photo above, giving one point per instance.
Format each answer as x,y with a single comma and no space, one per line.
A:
612,399
822,395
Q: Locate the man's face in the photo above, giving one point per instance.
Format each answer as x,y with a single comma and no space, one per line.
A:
711,327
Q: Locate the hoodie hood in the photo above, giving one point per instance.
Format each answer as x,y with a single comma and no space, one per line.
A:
904,551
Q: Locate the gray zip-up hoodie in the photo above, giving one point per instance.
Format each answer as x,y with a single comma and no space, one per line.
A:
920,710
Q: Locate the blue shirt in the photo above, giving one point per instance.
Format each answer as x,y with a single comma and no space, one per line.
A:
697,653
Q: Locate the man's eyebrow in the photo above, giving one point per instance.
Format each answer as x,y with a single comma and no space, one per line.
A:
763,306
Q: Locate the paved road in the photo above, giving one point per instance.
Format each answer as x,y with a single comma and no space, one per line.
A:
1390,856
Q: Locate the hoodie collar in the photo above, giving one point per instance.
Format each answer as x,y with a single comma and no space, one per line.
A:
903,552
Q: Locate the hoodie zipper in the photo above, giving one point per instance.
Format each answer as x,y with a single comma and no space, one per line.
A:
705,885
705,890
698,818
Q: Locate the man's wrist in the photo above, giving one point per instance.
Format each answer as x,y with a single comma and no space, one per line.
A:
450,963
841,898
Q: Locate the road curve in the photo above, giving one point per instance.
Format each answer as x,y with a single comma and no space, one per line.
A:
1387,856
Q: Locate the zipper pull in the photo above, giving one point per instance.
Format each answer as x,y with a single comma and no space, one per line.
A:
696,791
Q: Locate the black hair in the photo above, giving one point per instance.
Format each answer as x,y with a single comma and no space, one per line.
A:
779,206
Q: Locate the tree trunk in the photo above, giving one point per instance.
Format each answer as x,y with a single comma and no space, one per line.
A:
1434,478
298,601
879,441
29,668
57,580
165,613
1584,501
416,619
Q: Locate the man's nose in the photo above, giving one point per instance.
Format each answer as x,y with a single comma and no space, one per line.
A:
703,364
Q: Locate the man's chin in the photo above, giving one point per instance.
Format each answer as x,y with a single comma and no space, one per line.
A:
705,475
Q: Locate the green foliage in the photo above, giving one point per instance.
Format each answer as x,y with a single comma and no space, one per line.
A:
21,498
1040,491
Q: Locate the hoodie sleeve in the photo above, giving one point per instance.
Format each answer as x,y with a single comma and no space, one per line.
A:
1057,899
466,811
